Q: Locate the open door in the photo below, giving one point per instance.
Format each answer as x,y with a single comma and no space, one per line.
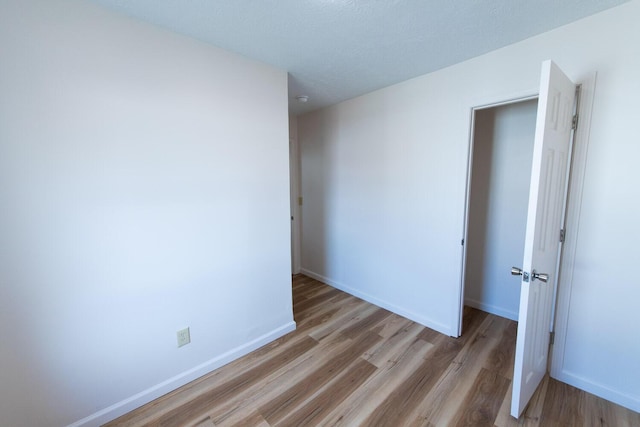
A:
547,196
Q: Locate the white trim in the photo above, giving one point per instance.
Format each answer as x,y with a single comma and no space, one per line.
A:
505,99
493,309
424,321
146,396
465,225
626,400
572,224
294,185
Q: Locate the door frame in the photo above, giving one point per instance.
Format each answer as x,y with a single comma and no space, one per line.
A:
563,291
564,288
294,196
495,102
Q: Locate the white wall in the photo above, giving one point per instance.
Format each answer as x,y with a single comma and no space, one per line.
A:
144,187
384,184
502,156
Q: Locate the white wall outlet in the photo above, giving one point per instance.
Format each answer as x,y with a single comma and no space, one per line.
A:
184,337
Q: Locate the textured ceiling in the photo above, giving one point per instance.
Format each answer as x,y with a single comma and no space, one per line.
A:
338,49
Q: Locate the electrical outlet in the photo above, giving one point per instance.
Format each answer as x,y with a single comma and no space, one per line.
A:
184,337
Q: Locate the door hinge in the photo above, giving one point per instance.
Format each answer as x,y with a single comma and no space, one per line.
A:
574,122
552,337
562,235
462,242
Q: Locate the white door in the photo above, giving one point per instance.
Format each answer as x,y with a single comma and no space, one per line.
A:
547,195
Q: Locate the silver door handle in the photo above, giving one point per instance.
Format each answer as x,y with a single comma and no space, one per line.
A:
515,271
543,277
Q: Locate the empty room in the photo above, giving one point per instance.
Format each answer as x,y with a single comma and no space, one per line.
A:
314,212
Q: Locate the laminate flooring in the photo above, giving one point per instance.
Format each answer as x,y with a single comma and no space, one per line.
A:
350,363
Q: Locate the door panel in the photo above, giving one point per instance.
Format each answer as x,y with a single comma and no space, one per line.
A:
547,195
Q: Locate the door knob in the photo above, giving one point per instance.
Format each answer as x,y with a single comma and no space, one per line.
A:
515,271
543,277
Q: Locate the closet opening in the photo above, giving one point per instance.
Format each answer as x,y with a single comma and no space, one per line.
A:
501,153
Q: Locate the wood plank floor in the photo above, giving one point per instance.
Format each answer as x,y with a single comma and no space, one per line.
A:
350,363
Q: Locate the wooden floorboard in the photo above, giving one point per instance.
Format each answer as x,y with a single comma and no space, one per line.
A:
481,405
350,363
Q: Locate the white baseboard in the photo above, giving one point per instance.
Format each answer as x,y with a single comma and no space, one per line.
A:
493,309
418,318
622,399
146,396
